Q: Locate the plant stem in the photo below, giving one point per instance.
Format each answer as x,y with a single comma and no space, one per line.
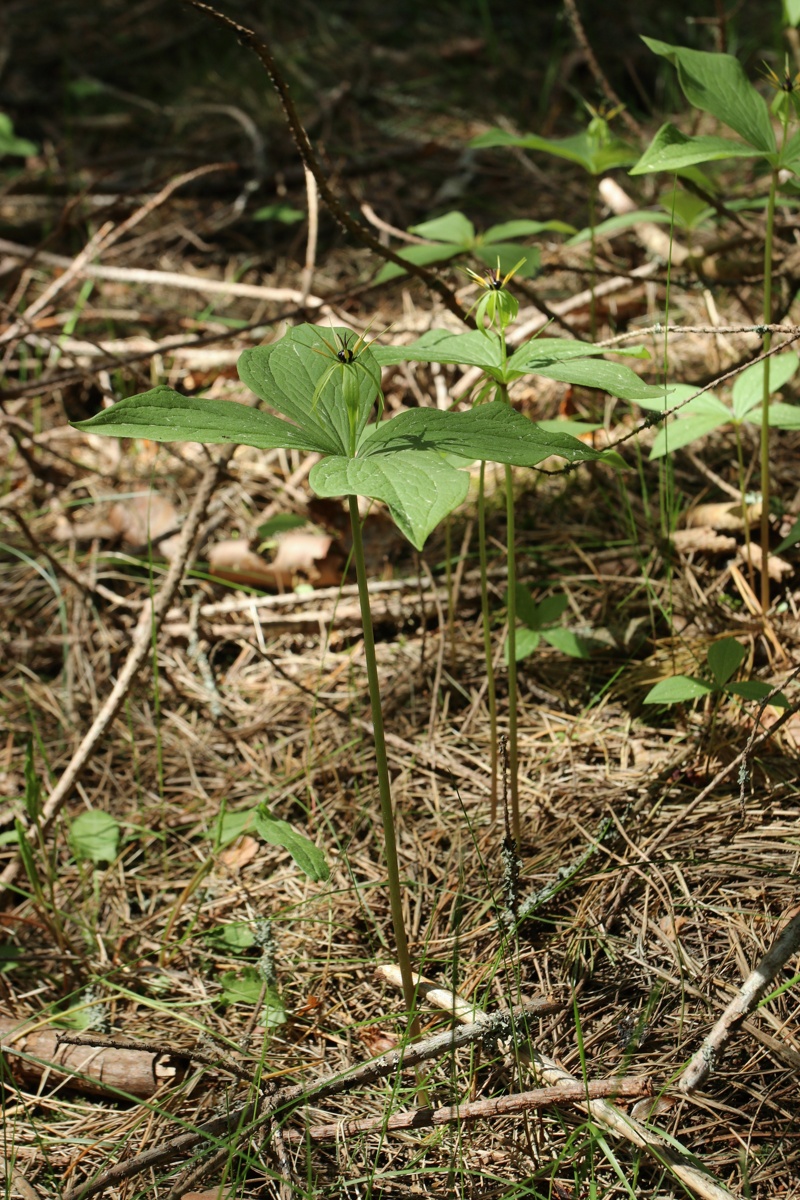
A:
592,258
491,691
513,756
765,482
384,786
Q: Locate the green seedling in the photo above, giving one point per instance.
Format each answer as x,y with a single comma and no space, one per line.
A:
716,84
542,622
724,659
453,234
10,144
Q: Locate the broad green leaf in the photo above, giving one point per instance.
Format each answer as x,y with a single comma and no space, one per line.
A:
717,84
451,227
685,430
231,825
164,415
471,349
688,210
550,610
619,223
581,148
288,373
281,523
94,835
308,857
791,10
527,608
235,937
543,352
671,150
493,432
421,256
420,488
279,212
755,689
790,154
706,404
576,429
748,388
9,144
596,373
522,228
784,416
677,689
244,987
791,539
724,658
525,643
509,254
568,642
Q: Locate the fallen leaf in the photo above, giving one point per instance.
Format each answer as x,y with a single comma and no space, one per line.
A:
240,854
724,514
777,567
703,539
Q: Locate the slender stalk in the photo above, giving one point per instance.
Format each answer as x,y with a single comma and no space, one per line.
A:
448,574
592,258
765,481
491,690
384,786
513,756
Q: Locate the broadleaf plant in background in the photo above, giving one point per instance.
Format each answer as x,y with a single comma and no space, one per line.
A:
717,84
453,235
724,659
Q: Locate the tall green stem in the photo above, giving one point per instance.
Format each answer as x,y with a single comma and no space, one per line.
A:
384,786
765,481
592,257
491,691
513,755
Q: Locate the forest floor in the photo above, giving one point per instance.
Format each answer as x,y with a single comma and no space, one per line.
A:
660,844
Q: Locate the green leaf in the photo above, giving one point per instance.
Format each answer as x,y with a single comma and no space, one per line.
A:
717,84
451,227
164,415
748,389
9,144
611,377
33,786
707,404
244,987
281,523
94,835
421,256
309,858
568,642
522,228
543,351
493,432
420,488
755,689
525,643
231,825
685,430
472,349
784,416
550,610
616,224
235,937
791,11
279,212
581,148
671,150
677,689
724,658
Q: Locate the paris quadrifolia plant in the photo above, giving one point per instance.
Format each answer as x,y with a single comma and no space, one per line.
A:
717,84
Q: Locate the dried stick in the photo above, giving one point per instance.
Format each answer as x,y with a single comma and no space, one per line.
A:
248,1117
310,160
669,1154
753,988
149,621
498,1106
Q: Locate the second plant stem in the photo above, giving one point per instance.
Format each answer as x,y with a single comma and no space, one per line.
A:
765,480
384,785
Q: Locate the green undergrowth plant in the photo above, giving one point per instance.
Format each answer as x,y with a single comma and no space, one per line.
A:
541,621
562,359
453,235
326,392
596,149
716,84
724,658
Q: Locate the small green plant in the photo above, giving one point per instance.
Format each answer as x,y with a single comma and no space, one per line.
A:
453,234
542,622
717,84
10,144
724,659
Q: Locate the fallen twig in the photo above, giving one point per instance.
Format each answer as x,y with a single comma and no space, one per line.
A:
751,991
